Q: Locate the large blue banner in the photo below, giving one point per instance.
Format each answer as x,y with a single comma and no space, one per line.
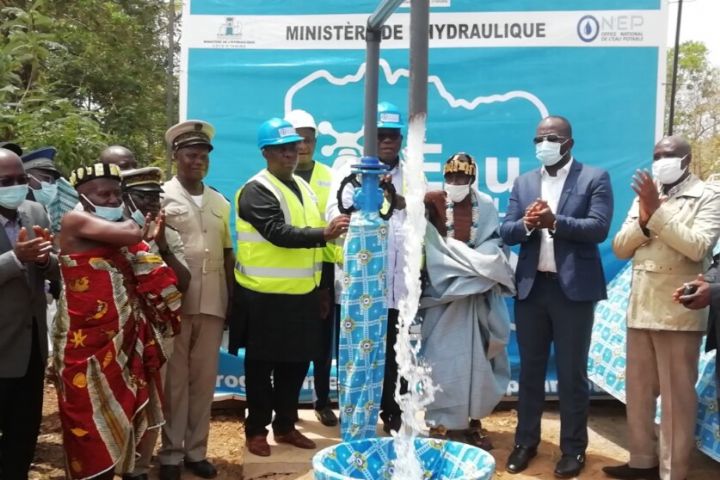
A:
496,68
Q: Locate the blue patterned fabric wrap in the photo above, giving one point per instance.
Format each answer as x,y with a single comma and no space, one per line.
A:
372,459
363,326
67,198
606,363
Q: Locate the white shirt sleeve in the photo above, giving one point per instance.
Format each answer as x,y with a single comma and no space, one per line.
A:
331,210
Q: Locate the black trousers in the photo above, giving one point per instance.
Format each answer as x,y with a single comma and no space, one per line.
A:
21,402
388,406
279,394
322,365
548,317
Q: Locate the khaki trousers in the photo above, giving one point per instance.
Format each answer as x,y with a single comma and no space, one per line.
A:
189,389
146,447
662,363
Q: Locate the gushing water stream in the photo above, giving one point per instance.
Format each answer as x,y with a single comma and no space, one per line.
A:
420,388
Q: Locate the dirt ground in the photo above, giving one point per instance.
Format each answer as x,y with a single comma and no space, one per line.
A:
226,449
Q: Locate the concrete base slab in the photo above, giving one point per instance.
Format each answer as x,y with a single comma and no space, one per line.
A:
286,461
291,463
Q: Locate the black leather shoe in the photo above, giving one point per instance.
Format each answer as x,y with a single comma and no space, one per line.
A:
570,466
626,472
202,469
142,476
326,416
169,472
394,422
520,458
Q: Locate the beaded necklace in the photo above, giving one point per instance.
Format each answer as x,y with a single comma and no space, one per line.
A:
450,219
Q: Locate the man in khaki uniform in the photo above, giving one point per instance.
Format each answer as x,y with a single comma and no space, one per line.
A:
669,234
141,195
201,216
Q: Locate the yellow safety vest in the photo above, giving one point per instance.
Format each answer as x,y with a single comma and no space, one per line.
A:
267,268
320,182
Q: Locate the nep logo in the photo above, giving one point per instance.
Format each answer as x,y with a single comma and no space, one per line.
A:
588,28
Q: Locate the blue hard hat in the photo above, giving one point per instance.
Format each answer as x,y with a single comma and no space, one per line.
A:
389,116
276,131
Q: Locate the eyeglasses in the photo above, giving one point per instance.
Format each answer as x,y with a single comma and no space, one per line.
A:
550,138
41,177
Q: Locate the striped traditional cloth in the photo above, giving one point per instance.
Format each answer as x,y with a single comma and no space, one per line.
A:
116,306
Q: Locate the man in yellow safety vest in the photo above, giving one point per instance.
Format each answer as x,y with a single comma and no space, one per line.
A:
280,240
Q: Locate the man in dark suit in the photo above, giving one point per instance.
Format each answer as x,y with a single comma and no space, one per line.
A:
26,262
558,214
707,294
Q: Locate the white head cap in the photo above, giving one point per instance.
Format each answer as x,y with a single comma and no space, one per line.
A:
301,119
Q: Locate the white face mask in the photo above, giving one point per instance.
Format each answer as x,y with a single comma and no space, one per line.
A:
457,193
549,152
668,170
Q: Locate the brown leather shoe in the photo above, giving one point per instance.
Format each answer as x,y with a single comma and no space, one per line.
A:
258,445
297,439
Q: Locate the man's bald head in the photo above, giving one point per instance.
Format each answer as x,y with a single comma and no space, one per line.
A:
120,156
674,146
12,173
557,124
9,158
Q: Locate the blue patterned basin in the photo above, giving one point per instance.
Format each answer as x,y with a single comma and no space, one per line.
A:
372,459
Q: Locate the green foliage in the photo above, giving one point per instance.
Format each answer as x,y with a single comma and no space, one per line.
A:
697,105
82,74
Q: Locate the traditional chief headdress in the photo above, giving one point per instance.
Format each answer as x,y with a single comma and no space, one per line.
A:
461,162
99,170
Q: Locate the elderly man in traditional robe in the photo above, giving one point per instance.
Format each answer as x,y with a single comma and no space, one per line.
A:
118,302
466,326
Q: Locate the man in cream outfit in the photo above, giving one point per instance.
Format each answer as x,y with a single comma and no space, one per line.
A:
669,234
201,216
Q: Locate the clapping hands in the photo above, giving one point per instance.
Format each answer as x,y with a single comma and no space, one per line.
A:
539,215
36,250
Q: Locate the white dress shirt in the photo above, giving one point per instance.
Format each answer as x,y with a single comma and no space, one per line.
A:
550,190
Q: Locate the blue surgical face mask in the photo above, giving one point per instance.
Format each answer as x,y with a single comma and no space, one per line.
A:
11,197
111,214
549,152
46,193
136,214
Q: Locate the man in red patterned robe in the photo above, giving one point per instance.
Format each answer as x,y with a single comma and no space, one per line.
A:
119,300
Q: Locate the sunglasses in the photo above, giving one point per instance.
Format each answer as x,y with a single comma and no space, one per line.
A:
550,138
392,136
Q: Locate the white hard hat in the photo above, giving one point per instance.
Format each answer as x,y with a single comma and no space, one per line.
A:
301,119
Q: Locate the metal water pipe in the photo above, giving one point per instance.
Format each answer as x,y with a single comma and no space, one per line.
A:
369,197
373,36
419,44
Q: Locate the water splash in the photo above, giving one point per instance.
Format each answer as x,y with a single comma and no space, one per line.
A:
416,372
